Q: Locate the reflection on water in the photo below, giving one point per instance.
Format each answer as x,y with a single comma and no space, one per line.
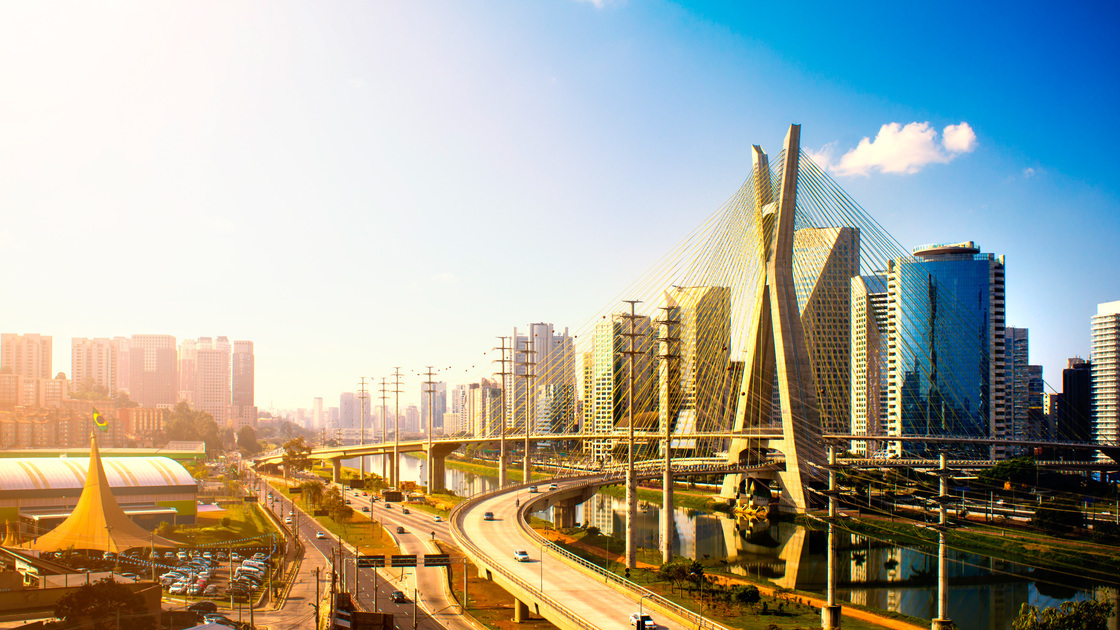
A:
985,593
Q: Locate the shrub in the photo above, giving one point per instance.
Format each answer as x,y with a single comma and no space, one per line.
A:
225,521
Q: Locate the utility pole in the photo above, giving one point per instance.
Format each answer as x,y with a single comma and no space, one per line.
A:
830,612
942,622
631,490
528,362
362,398
430,389
670,379
317,598
396,463
384,430
507,382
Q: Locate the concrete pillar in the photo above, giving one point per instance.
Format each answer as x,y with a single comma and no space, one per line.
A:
564,514
520,611
830,612
502,457
830,616
336,472
667,515
942,621
438,474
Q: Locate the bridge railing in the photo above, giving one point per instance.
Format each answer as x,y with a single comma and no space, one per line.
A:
689,616
456,520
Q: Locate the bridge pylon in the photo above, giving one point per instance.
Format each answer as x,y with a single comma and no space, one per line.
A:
777,353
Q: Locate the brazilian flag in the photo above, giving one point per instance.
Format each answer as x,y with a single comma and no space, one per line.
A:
100,421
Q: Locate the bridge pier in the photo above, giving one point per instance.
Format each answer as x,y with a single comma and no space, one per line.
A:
667,514
564,514
520,611
336,470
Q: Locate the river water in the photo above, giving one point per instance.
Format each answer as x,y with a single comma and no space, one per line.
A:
985,594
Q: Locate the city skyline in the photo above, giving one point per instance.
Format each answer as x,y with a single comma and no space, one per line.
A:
346,188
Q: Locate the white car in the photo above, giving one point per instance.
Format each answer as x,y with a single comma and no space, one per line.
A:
320,535
647,621
521,555
439,519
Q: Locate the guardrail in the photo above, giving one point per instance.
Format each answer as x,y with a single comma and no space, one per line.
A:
676,609
456,518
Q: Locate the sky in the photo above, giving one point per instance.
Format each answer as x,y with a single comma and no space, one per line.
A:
359,186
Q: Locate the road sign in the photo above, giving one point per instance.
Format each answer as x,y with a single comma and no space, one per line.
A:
371,562
437,560
251,499
402,561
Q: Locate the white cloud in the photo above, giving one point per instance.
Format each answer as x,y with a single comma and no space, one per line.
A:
959,138
899,149
1028,172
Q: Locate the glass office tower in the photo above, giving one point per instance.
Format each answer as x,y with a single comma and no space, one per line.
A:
946,350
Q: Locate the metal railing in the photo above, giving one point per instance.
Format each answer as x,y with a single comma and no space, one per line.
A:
609,576
456,517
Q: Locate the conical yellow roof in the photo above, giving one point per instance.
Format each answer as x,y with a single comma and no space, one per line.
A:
97,522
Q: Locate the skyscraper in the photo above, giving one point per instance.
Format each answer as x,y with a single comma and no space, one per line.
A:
212,378
945,335
1016,383
243,410
153,370
93,365
1106,373
27,355
543,361
611,376
868,360
824,262
692,375
439,406
1075,409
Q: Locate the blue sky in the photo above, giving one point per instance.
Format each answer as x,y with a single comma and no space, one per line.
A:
356,186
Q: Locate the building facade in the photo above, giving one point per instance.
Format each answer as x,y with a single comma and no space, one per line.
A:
27,355
93,365
868,356
1106,374
154,373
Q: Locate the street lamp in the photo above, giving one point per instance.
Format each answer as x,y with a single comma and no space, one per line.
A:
700,578
641,620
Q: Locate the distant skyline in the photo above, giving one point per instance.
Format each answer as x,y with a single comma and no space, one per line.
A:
356,187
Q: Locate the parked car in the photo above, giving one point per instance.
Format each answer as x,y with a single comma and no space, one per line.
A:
177,588
398,597
235,557
130,576
203,608
521,555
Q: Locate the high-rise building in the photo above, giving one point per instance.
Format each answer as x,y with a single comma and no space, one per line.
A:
243,410
439,405
1036,403
481,409
350,411
945,336
543,361
1016,384
824,261
188,370
153,370
868,360
93,365
317,419
411,421
27,355
122,353
1106,374
611,376
212,378
1075,410
692,373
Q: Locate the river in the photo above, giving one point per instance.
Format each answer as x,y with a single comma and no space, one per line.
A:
985,594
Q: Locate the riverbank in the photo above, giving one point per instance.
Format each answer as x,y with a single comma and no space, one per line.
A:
775,606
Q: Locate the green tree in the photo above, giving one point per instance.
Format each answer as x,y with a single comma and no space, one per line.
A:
247,441
1058,516
192,425
102,602
312,491
747,594
296,455
1088,615
1020,470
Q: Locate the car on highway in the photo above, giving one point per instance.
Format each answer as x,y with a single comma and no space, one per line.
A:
401,530
532,489
388,506
398,597
488,516
365,508
646,621
439,519
404,510
320,535
521,555
287,520
552,486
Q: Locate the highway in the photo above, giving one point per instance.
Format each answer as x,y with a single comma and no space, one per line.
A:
588,597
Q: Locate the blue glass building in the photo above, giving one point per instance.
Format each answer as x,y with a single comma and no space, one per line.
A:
945,359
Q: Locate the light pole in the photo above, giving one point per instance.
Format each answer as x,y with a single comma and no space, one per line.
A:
543,545
641,620
700,578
